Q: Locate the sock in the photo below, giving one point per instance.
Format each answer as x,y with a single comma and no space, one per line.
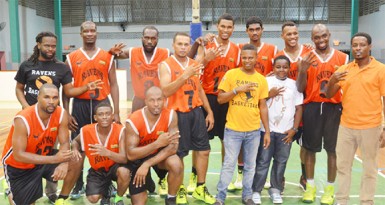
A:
303,170
194,171
170,196
200,183
117,198
310,181
240,168
62,197
330,183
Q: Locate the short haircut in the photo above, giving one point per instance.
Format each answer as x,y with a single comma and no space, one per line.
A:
253,20
102,104
86,22
150,28
226,16
281,57
151,89
47,86
362,34
180,34
288,23
249,47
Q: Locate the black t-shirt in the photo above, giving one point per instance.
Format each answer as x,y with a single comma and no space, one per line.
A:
33,76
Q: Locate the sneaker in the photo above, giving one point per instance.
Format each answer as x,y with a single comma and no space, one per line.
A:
52,198
256,198
217,202
309,195
105,201
192,185
112,191
328,197
267,185
238,181
62,202
170,201
118,200
248,202
276,198
201,193
181,196
77,192
162,189
302,183
231,187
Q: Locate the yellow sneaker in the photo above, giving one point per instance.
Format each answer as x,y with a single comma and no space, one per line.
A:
62,202
201,193
238,182
5,188
181,196
163,188
328,197
192,183
231,187
309,195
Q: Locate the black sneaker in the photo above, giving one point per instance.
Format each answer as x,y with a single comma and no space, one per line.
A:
170,201
105,201
52,198
77,191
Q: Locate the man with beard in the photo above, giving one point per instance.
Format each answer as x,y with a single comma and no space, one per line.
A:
321,115
28,152
89,63
41,68
144,74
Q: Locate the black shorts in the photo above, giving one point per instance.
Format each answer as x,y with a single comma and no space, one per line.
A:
26,184
98,181
321,121
192,131
83,111
298,136
220,112
137,103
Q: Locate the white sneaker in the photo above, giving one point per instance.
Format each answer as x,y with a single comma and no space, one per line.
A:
238,182
276,198
256,197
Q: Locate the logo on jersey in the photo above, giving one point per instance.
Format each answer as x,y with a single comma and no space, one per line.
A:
114,146
53,129
102,62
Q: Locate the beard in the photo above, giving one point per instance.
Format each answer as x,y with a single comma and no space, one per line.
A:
45,56
149,50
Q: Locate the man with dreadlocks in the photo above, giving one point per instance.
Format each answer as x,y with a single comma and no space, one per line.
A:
42,68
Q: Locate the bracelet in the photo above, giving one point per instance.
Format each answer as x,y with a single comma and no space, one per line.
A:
295,129
234,91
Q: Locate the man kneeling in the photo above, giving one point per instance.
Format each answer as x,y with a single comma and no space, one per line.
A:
152,138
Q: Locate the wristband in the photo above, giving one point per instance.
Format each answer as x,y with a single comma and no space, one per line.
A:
234,91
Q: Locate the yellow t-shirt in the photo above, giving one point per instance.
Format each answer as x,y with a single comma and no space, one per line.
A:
243,114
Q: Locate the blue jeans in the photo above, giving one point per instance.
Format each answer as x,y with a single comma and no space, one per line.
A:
280,151
233,141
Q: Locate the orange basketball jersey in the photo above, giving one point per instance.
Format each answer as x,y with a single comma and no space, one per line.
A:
41,139
318,76
141,127
86,69
89,135
216,69
144,74
186,97
266,53
293,62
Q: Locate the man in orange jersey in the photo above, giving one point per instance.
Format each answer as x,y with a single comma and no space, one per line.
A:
28,152
152,139
293,50
179,80
321,116
363,89
103,144
89,63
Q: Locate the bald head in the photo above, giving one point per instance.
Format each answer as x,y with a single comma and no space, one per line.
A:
47,86
319,26
320,36
154,100
154,90
48,98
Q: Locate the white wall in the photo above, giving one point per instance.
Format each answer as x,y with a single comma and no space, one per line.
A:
30,25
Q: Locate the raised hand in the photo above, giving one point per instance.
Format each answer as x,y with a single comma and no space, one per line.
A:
117,49
95,84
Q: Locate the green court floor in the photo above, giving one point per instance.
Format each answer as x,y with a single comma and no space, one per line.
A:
292,193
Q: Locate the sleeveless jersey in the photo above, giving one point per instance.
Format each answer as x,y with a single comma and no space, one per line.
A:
41,139
89,135
216,69
266,53
318,76
293,62
144,74
186,97
85,69
147,134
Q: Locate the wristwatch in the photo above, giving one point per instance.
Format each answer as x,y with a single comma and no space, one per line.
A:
295,129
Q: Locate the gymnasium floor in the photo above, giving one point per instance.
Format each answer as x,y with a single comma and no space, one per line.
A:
292,193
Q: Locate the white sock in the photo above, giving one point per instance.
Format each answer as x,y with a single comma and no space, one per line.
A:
170,196
310,181
330,184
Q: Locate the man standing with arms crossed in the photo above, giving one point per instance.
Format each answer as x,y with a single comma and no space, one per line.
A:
321,116
363,85
180,83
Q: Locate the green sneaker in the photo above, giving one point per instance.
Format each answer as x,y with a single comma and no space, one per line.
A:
162,188
231,187
328,197
238,182
192,185
201,193
118,200
181,196
309,195
62,202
